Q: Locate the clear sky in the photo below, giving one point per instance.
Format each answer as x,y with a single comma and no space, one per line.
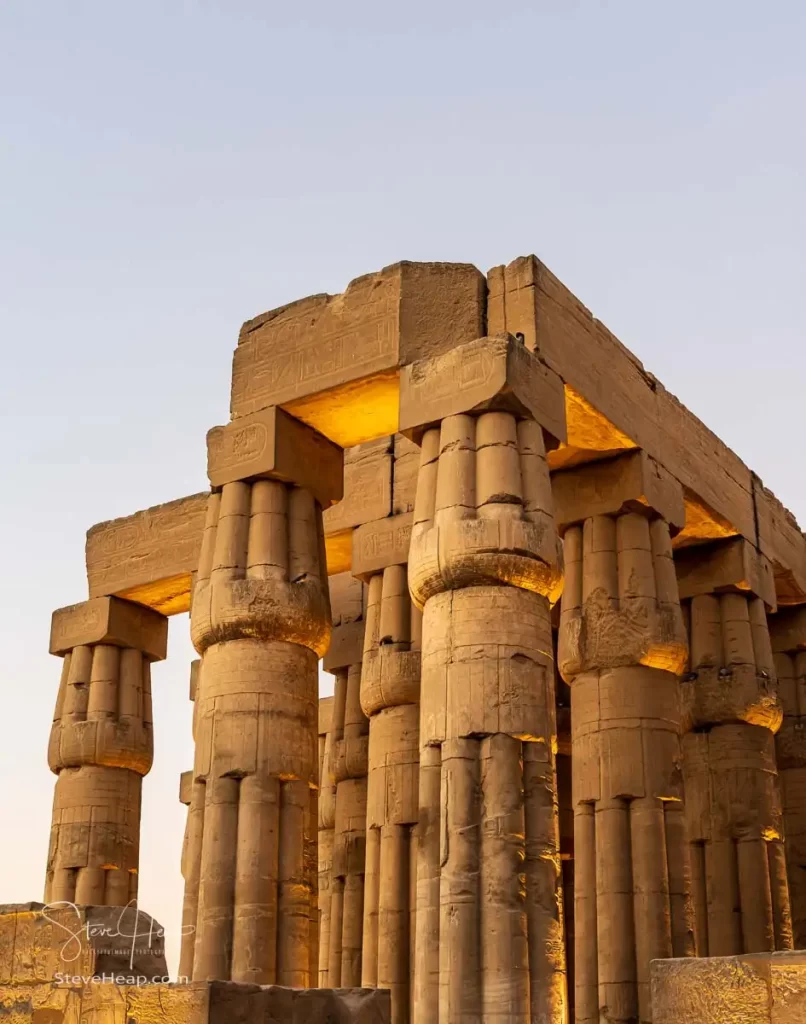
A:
168,170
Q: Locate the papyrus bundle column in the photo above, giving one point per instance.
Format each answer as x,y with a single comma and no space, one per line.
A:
788,634
483,564
621,645
327,822
260,620
731,713
390,697
101,745
191,794
348,772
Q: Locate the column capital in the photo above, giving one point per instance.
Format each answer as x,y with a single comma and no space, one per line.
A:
271,445
633,482
788,630
112,621
726,566
496,374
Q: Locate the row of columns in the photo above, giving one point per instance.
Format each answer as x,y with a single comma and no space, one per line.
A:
440,854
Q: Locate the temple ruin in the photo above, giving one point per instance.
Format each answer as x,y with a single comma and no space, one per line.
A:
562,776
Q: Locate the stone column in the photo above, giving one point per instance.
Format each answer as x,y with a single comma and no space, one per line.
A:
621,645
732,712
325,834
483,565
260,620
101,746
191,794
390,697
348,772
788,634
566,822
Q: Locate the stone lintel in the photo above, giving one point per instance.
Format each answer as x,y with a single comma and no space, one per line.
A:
788,629
109,620
195,669
633,482
332,360
489,374
271,444
762,988
325,715
148,557
727,565
185,787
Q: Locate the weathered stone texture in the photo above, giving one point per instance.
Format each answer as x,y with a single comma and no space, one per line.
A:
270,444
752,989
382,321
150,556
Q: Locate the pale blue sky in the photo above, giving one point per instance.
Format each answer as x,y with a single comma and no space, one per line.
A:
168,170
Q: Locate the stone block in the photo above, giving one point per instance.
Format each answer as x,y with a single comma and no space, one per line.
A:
381,544
148,557
489,374
271,444
729,565
203,1002
367,487
195,672
108,620
404,481
629,483
41,942
332,361
325,715
788,629
346,647
346,598
185,787
757,988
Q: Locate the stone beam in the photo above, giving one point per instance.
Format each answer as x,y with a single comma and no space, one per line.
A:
332,360
148,557
613,402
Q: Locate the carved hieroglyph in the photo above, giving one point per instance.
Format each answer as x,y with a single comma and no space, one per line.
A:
621,643
483,560
731,713
101,745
